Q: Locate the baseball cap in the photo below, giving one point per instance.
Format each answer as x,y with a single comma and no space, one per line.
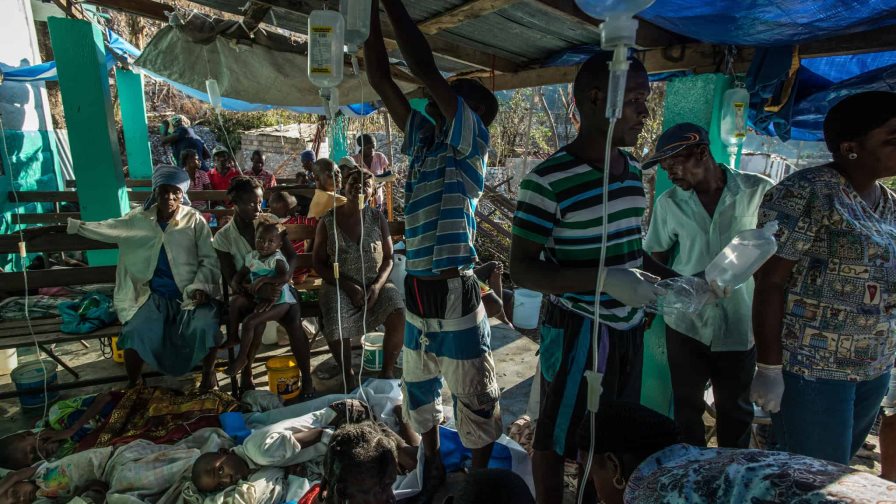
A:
348,161
674,140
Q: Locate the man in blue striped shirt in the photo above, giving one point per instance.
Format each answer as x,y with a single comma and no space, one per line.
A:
447,332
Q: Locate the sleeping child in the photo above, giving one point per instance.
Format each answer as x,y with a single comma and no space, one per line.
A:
140,470
68,422
289,443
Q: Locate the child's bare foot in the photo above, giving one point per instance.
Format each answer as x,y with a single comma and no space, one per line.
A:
237,365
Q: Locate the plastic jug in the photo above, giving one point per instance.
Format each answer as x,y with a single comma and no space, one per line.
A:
326,38
357,23
746,253
526,308
399,271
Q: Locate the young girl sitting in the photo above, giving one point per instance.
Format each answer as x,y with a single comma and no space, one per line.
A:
285,206
265,264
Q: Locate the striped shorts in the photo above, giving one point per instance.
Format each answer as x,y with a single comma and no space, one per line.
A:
447,335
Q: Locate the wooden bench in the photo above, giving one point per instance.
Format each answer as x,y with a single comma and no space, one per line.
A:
57,197
46,331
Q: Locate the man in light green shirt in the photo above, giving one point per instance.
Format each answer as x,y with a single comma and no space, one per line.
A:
691,224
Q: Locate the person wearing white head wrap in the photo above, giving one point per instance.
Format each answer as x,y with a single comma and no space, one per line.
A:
167,281
172,176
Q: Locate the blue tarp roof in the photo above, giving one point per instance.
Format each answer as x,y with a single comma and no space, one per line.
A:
769,23
779,25
47,71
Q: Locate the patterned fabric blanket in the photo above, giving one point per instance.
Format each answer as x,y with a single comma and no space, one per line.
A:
159,415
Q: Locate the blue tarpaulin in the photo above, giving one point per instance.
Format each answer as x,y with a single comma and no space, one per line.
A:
777,25
47,72
769,23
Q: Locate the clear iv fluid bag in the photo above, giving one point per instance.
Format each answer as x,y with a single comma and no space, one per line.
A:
604,8
746,253
214,94
357,22
735,105
326,41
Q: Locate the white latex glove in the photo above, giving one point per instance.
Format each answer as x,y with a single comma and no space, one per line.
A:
768,387
718,290
632,287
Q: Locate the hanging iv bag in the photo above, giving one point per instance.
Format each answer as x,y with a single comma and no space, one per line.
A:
326,40
214,94
357,23
733,130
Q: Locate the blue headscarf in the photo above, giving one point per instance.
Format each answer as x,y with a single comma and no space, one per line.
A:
308,155
169,175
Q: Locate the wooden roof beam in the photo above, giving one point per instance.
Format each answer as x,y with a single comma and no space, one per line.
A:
464,12
881,39
144,8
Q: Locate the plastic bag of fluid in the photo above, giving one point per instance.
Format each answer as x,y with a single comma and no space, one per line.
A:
683,294
326,36
733,129
603,8
357,22
746,253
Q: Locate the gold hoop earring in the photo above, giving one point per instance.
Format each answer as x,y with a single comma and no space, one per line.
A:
619,482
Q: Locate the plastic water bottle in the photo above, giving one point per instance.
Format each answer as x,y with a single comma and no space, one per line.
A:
326,38
683,294
746,253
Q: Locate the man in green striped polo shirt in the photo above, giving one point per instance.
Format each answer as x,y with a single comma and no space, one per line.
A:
557,233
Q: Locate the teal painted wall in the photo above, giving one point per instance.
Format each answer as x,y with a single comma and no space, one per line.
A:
696,99
28,152
86,101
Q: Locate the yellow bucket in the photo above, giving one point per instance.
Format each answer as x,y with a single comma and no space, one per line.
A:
284,377
117,353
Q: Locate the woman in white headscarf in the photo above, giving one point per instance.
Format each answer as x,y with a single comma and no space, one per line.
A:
167,282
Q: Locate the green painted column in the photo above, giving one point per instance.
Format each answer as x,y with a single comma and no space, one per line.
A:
696,99
89,118
133,123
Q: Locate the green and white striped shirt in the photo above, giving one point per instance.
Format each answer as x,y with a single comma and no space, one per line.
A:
560,207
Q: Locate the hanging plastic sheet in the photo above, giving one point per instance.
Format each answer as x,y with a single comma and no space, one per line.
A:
47,72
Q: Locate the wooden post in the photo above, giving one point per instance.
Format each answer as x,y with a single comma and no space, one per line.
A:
389,204
86,101
133,123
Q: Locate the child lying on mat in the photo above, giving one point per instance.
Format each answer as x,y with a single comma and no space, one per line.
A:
282,444
68,422
137,471
288,444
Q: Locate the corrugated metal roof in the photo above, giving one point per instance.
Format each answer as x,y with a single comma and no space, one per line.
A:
524,33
